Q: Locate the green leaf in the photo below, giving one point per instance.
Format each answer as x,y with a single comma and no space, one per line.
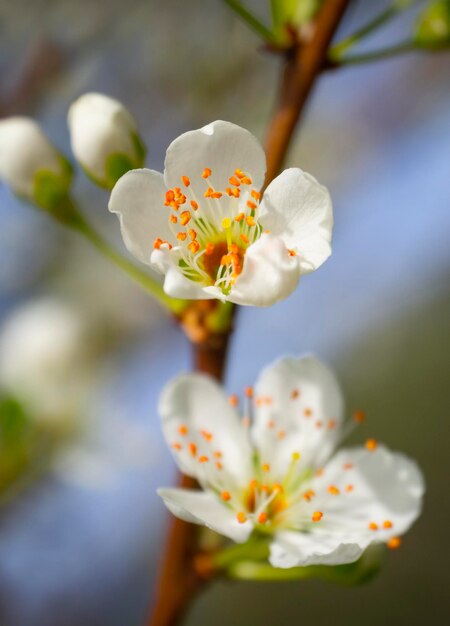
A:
433,26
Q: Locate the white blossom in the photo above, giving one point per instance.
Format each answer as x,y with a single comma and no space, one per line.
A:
274,467
205,225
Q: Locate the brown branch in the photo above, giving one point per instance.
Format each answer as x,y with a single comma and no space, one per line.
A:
303,64
179,580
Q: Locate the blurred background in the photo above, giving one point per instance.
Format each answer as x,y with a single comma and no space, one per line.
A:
80,524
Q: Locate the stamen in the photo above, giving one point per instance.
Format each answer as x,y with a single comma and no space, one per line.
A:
194,247
233,400
349,488
250,220
292,252
244,238
387,524
359,416
233,180
308,495
239,217
248,391
262,518
183,430
203,459
207,436
173,219
251,205
255,194
194,205
333,490
317,516
245,180
186,181
307,412
185,217
181,236
371,445
241,517
373,526
226,496
394,543
265,467
217,454
295,394
159,242
206,172
193,449
177,446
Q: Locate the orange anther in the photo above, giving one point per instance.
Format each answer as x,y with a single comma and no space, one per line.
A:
226,496
219,465
394,543
192,234
373,526
181,236
177,446
194,205
307,412
319,424
173,219
203,459
262,518
320,471
217,454
160,242
292,252
241,517
270,423
333,490
251,205
248,391
185,217
371,444
233,180
193,449
207,436
233,400
347,466
331,424
316,516
239,173
194,247
265,467
170,196
359,416
206,172
277,488
245,180
209,248
244,238
295,394
183,430
208,193
387,524
349,488
186,181
281,434
239,217
308,495
250,220
255,194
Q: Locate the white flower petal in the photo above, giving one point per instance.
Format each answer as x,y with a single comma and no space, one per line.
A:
299,408
194,410
206,509
293,549
24,150
138,199
270,274
221,146
385,487
299,210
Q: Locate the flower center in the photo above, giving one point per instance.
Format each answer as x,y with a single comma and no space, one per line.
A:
213,229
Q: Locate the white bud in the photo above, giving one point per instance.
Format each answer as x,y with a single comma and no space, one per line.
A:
25,152
104,138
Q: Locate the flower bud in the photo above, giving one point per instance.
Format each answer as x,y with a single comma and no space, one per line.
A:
433,26
104,138
31,165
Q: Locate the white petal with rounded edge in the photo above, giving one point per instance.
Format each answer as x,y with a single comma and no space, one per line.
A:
221,146
270,274
195,410
99,127
299,210
138,199
385,487
24,150
293,549
299,408
206,509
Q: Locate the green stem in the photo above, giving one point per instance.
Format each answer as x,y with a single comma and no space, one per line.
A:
139,276
376,55
252,21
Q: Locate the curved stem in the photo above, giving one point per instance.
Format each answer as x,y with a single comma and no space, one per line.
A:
252,21
376,55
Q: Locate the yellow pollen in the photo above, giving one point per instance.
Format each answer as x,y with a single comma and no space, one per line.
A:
194,205
225,495
181,236
394,543
226,222
185,217
373,526
262,518
316,516
251,205
239,217
265,467
248,391
244,238
192,234
207,436
194,247
233,180
233,400
241,517
193,449
186,181
359,416
387,524
250,220
255,194
333,490
203,459
206,172
183,430
296,456
371,445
